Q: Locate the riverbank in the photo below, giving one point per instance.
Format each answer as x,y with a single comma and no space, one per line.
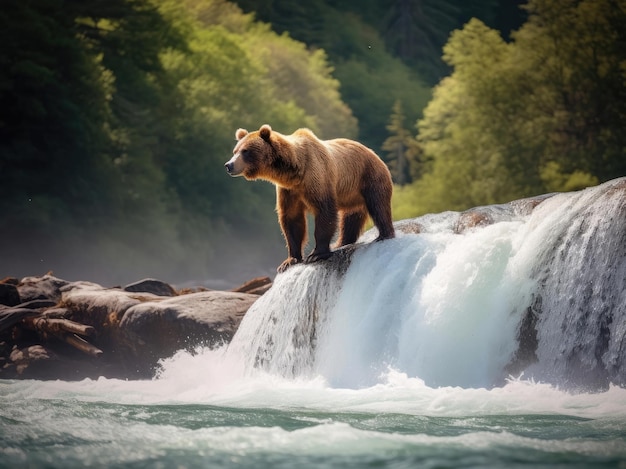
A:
52,328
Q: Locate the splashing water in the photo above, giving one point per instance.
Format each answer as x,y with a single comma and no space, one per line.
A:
459,309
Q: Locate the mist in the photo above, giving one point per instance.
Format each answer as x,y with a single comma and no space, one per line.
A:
219,260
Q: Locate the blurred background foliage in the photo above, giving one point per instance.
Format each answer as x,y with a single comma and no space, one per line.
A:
116,117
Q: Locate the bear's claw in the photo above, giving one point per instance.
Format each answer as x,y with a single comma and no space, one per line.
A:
287,263
318,256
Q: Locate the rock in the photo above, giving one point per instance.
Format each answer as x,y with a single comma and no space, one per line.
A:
41,362
38,304
9,295
408,227
23,358
103,309
58,313
47,287
11,316
157,329
471,219
10,281
125,333
526,206
82,285
256,286
150,285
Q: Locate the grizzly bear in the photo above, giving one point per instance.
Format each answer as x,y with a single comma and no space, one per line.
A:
340,181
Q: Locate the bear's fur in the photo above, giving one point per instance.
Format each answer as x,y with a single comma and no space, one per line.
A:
340,181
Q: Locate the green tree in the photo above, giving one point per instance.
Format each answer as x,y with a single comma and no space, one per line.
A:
415,30
540,114
403,152
53,112
579,47
371,78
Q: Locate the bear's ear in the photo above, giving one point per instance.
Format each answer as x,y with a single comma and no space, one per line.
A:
241,133
265,132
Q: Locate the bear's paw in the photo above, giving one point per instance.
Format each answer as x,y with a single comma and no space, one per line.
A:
287,263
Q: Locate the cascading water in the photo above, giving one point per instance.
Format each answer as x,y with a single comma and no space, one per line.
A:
579,306
536,291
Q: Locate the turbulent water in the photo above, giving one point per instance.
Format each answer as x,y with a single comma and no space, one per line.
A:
492,346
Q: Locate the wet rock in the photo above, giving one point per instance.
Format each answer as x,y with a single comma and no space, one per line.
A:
57,313
256,286
46,287
150,285
39,361
9,295
10,281
38,304
11,316
408,227
103,309
157,329
23,358
526,206
472,219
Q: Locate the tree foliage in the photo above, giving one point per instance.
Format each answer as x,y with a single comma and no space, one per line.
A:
545,112
404,156
116,119
371,77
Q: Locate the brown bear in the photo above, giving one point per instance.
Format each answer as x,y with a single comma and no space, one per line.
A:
324,177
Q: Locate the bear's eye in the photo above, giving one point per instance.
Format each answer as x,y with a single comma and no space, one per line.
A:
246,154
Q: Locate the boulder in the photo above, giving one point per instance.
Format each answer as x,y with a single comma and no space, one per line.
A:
41,362
473,218
150,285
74,330
408,227
157,329
9,295
46,287
103,309
10,280
256,286
11,316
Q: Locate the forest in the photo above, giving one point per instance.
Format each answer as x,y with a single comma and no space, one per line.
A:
116,117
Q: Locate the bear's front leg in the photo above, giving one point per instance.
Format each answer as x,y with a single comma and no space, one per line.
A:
325,227
292,219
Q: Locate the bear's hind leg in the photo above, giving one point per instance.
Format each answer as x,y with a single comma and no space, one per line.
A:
379,207
351,226
325,227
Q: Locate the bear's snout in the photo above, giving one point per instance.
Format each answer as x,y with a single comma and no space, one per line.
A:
234,166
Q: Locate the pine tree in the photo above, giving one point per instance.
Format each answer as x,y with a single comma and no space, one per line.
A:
403,150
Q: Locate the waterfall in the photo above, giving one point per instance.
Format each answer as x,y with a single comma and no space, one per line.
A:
579,306
459,299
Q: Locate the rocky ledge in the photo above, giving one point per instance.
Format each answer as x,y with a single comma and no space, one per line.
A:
55,329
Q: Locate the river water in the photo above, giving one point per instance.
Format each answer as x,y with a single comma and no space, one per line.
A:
404,359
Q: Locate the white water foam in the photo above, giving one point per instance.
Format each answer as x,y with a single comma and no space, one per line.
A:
439,306
201,379
448,308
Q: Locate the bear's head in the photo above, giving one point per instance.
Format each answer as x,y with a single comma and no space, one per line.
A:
253,154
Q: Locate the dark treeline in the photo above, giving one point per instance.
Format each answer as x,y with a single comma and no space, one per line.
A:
116,117
383,51
115,121
544,112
